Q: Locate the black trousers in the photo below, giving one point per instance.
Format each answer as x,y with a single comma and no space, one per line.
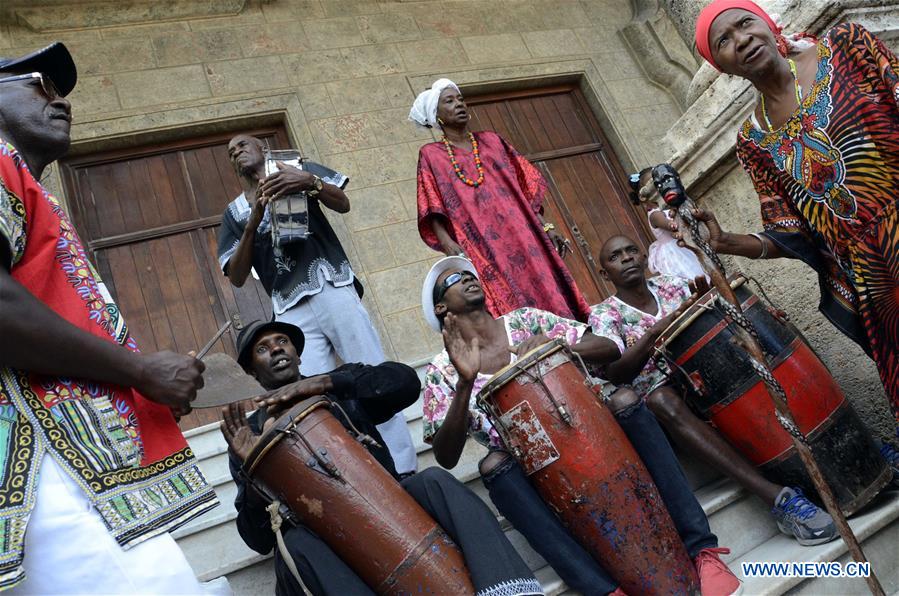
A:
492,561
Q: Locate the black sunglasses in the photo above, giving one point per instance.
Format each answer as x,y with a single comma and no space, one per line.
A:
451,280
47,85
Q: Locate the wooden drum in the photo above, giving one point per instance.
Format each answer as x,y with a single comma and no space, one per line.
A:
583,466
309,462
724,388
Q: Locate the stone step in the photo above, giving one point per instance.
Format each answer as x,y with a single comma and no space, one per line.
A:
741,521
876,527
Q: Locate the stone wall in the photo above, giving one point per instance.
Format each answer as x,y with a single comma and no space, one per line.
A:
341,74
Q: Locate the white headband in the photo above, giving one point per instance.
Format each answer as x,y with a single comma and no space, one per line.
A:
424,108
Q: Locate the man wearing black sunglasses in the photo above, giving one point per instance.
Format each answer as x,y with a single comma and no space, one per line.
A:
478,346
96,471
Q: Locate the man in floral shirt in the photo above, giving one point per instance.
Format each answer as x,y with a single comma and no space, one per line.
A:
634,318
477,346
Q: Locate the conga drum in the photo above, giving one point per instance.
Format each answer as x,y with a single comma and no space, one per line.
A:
309,462
723,387
581,463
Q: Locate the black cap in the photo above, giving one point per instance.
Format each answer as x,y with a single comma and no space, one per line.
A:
55,61
247,337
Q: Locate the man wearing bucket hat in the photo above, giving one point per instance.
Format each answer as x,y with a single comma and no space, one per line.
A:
92,454
477,345
367,395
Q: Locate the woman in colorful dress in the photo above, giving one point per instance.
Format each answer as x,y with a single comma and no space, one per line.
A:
480,198
822,150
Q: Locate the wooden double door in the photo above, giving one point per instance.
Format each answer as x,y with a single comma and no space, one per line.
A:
149,216
554,128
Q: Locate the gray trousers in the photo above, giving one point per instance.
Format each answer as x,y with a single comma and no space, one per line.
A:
338,330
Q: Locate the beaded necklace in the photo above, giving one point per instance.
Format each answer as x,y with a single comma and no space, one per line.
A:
797,87
458,169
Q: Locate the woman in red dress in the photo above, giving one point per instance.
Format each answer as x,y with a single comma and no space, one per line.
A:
479,197
822,150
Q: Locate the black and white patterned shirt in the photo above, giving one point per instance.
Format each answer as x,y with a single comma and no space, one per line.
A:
298,269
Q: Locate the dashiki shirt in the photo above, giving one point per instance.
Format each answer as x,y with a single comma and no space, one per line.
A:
496,224
622,323
441,376
827,181
126,452
298,269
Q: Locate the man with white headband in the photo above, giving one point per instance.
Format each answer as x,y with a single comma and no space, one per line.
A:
479,197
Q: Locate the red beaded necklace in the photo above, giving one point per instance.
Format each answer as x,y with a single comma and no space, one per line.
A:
458,169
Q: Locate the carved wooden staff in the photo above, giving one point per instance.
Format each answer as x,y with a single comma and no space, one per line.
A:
747,339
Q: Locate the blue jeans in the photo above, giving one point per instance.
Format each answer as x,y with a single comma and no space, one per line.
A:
518,501
515,497
645,434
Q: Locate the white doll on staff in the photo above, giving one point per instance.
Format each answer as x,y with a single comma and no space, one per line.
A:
665,255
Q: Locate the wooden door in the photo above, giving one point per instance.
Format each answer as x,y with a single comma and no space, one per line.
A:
588,196
149,218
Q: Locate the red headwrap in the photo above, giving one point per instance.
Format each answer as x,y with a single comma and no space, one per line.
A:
713,10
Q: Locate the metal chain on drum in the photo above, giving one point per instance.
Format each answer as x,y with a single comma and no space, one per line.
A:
740,318
775,386
702,243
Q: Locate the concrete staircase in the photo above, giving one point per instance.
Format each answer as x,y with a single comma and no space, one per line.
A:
742,523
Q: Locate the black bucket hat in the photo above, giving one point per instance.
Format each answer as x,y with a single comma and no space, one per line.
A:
55,61
247,337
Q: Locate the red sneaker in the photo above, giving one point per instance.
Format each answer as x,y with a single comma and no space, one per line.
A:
715,578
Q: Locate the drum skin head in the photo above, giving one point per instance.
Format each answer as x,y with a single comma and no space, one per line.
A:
512,370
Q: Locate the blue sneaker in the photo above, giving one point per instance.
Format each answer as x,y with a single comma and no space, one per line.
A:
891,454
798,517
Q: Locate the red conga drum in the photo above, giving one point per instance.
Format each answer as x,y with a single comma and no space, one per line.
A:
582,464
309,462
723,387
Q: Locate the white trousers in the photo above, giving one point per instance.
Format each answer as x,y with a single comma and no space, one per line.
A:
68,549
337,326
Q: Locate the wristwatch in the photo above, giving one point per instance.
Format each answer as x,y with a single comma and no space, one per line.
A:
317,186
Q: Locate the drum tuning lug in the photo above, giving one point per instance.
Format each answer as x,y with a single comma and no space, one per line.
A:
698,383
517,453
563,412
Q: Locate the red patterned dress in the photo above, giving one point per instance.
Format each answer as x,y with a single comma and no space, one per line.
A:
496,224
828,180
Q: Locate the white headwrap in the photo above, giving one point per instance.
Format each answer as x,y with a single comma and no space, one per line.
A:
424,108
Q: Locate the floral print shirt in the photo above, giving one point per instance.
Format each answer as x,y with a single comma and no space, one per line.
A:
624,324
441,375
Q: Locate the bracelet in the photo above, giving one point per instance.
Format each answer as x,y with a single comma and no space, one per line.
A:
547,227
764,243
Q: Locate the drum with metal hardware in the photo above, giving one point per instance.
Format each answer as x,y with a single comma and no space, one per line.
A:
582,464
723,387
309,462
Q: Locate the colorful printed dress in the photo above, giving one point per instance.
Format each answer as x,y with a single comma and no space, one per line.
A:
624,324
828,182
126,452
441,376
496,224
